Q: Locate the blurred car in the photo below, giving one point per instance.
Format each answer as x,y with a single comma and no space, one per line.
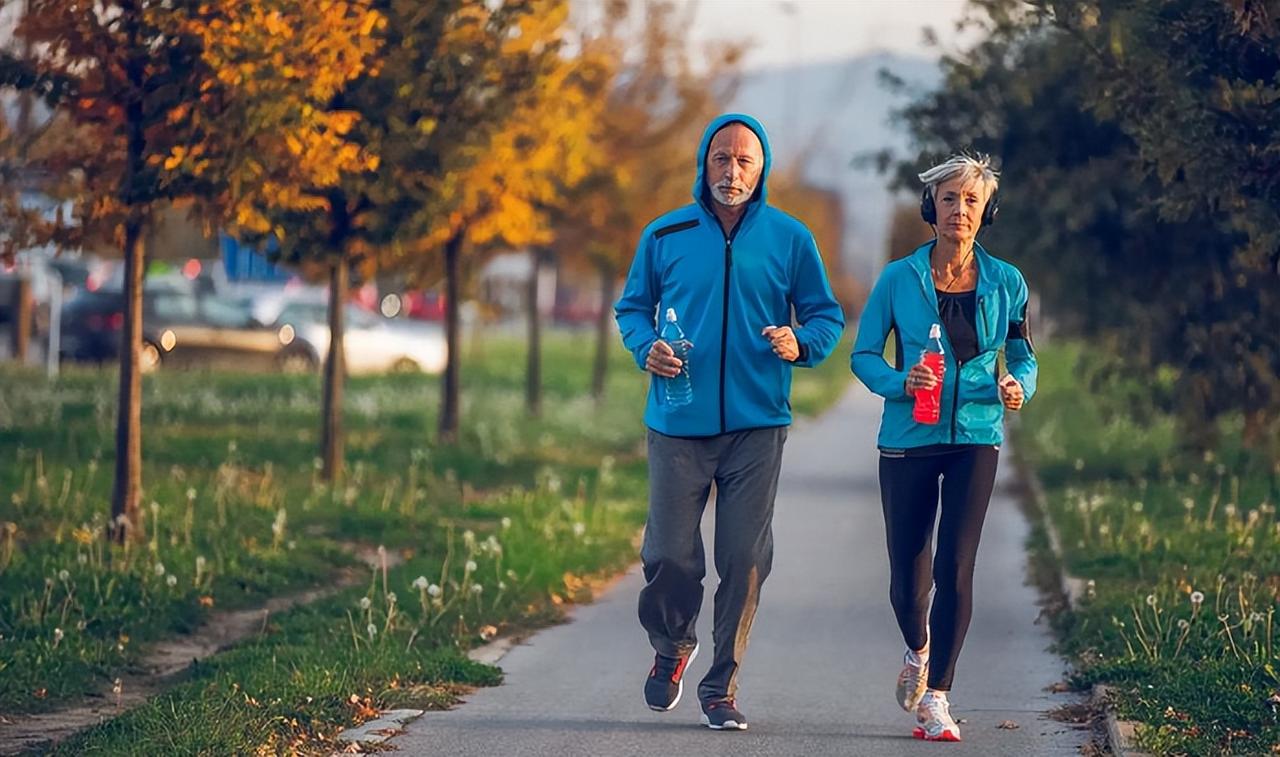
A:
373,344
180,327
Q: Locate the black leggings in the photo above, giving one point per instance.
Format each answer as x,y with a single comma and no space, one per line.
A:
909,494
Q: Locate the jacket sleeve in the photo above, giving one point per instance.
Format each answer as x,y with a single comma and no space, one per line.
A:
1019,352
867,361
819,314
636,310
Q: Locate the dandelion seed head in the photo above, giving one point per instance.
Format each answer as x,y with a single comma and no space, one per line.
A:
579,529
433,590
1151,600
159,569
1184,624
191,492
372,630
506,523
172,580
471,566
365,603
64,575
57,635
477,589
420,583
391,597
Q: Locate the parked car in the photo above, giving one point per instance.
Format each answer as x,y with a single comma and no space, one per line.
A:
373,344
180,327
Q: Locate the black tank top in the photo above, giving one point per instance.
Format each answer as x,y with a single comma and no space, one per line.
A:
958,311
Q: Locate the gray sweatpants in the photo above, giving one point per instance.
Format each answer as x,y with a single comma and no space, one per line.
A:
744,466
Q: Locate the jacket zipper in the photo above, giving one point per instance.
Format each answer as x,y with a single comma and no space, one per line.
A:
724,323
982,313
955,399
724,318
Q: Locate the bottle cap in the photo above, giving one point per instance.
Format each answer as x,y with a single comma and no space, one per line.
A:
935,331
671,315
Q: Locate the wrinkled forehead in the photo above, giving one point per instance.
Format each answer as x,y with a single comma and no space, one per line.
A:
736,139
964,186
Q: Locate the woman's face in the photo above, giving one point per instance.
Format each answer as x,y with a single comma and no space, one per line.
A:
960,202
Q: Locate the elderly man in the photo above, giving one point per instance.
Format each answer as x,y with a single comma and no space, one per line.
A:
737,273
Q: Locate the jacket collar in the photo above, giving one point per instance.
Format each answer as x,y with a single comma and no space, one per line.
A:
920,263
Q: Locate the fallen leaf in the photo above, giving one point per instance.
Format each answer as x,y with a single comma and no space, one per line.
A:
41,693
1008,725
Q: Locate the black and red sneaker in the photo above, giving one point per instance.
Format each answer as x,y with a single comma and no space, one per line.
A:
723,715
665,683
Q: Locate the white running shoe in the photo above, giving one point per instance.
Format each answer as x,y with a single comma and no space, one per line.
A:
912,681
934,715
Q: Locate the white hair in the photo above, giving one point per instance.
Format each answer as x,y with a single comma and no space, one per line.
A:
962,165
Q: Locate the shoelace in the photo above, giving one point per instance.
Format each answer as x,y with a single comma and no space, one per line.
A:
676,673
724,703
938,709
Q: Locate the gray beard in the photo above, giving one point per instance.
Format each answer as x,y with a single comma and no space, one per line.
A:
724,199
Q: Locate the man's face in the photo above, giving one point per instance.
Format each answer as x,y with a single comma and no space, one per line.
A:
960,202
734,163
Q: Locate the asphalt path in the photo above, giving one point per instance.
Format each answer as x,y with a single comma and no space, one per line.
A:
818,678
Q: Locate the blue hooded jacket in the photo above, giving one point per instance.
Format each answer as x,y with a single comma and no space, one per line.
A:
725,289
905,303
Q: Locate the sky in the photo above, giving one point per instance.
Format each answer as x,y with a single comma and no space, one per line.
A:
787,32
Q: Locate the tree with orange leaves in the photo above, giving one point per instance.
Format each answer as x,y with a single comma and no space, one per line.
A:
522,175
180,104
448,76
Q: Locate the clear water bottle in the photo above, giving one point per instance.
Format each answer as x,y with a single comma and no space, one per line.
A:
678,390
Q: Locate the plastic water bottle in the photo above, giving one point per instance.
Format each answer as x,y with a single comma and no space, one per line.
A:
928,407
677,390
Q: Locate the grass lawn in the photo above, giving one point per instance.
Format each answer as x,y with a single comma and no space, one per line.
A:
492,534
1182,552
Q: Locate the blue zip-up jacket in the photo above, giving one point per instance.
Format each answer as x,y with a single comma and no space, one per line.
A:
726,288
905,302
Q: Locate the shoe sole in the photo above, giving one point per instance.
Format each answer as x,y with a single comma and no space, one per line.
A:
919,733
680,689
728,725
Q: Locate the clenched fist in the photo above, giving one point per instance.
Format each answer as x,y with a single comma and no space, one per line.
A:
1011,392
783,341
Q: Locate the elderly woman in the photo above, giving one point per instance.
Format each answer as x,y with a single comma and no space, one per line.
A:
980,302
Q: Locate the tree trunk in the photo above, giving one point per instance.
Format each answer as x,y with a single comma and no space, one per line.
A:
128,473
335,372
608,291
21,319
449,413
533,376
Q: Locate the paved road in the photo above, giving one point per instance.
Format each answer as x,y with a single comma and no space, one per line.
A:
818,678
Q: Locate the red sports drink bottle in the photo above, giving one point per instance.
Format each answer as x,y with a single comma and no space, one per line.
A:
928,406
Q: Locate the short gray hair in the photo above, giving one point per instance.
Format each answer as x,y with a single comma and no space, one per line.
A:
963,165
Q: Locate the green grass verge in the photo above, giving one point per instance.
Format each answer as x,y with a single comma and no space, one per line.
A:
1181,552
496,532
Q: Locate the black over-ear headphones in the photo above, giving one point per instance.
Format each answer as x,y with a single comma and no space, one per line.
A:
929,211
